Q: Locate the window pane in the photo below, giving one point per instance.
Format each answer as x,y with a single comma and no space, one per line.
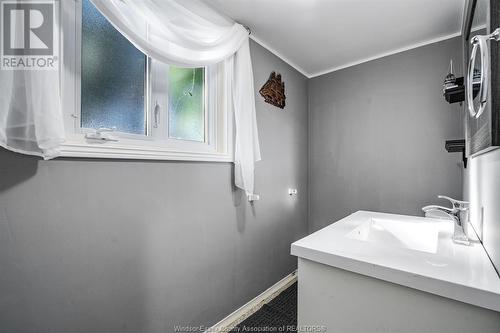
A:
187,103
112,77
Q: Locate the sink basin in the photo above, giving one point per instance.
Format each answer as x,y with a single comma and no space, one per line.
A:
418,236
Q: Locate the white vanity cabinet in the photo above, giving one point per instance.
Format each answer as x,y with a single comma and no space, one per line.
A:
375,272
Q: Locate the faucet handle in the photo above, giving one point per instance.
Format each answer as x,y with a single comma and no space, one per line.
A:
457,204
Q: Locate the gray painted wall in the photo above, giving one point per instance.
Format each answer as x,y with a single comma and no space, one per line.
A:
377,133
137,246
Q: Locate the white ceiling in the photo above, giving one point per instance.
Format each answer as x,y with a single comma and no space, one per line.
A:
320,36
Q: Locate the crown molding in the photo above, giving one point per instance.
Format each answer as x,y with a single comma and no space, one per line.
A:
354,63
279,55
385,54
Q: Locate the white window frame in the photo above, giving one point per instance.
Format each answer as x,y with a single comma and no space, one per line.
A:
219,128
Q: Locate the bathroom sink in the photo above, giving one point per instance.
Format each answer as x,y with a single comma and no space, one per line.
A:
416,252
418,236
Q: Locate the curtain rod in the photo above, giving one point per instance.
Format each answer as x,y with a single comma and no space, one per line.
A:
248,28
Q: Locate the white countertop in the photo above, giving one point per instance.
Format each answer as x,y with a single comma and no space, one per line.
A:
415,252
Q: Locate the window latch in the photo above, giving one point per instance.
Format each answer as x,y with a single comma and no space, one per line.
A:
101,135
156,113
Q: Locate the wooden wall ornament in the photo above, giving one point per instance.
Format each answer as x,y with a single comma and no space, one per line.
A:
273,91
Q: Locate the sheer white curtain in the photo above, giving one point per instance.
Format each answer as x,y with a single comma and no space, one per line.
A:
30,112
31,120
191,34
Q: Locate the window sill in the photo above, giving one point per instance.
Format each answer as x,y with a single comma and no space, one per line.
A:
116,151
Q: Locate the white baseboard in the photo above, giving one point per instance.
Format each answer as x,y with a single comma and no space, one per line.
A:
228,323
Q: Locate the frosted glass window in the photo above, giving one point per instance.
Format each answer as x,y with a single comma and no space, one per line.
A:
186,111
112,77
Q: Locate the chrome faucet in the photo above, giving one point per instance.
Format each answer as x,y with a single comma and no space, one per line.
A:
459,214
